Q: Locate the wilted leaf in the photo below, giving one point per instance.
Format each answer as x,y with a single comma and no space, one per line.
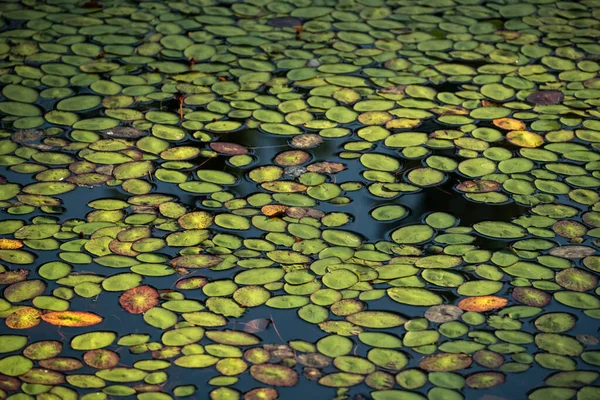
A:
273,210
256,325
326,167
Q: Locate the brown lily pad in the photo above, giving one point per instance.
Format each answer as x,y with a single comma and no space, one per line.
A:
306,140
274,210
326,167
9,383
284,22
546,97
123,132
397,89
314,360
589,340
572,251
232,149
17,275
301,212
443,313
485,380
147,388
531,296
61,364
27,136
576,279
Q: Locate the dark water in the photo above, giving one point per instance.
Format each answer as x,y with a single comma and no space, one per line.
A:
263,147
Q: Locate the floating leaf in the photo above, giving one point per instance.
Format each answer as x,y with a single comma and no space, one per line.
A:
445,362
485,380
478,186
546,97
443,313
576,279
415,296
101,359
10,244
71,318
482,303
139,299
525,139
531,296
275,375
24,318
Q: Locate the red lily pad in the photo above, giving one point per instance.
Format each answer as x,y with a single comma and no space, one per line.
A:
572,251
232,149
139,299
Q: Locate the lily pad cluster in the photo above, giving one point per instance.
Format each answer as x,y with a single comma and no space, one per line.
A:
174,174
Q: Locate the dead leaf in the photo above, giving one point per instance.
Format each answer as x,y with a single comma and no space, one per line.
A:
326,167
256,325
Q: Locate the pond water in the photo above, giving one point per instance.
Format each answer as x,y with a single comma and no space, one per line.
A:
264,199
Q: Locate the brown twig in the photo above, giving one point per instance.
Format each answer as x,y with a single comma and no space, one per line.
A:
275,327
